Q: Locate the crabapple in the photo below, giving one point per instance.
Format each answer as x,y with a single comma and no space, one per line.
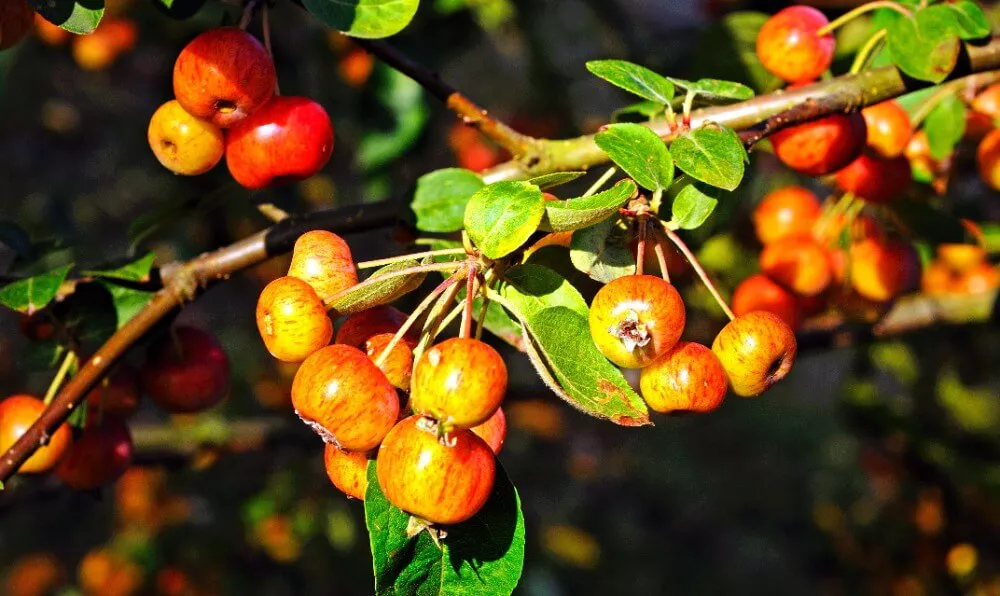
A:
340,393
442,480
323,260
17,414
876,180
688,378
756,350
361,326
292,319
118,395
16,18
493,431
286,140
889,128
988,159
347,470
760,292
882,270
398,365
186,371
790,46
182,143
101,454
459,382
787,211
636,318
821,146
798,263
224,75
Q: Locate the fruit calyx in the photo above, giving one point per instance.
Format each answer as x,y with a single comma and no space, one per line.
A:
632,332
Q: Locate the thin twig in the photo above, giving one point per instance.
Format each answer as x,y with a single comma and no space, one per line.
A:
683,247
415,255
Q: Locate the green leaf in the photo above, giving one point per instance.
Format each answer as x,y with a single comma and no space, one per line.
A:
972,23
501,217
926,47
582,212
554,179
136,271
127,301
693,203
369,19
79,16
499,323
364,296
945,126
440,199
403,99
711,154
633,78
34,293
715,90
484,555
639,152
594,385
528,289
927,222
600,251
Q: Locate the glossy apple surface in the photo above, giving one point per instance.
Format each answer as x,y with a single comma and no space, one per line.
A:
286,140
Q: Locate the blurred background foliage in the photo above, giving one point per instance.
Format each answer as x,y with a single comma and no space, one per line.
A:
872,469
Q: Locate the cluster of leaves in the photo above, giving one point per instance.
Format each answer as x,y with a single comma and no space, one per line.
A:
926,43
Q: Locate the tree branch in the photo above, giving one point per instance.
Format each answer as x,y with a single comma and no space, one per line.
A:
464,108
184,281
783,108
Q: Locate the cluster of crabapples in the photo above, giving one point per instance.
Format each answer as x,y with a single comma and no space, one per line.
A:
815,254
637,321
184,371
436,464
226,104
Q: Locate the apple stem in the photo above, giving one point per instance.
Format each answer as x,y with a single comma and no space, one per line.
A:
410,320
489,279
416,255
434,324
272,212
866,51
857,12
662,259
266,27
596,186
247,15
470,296
640,251
408,271
681,246
68,363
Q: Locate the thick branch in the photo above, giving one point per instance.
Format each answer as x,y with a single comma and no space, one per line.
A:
183,281
784,108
